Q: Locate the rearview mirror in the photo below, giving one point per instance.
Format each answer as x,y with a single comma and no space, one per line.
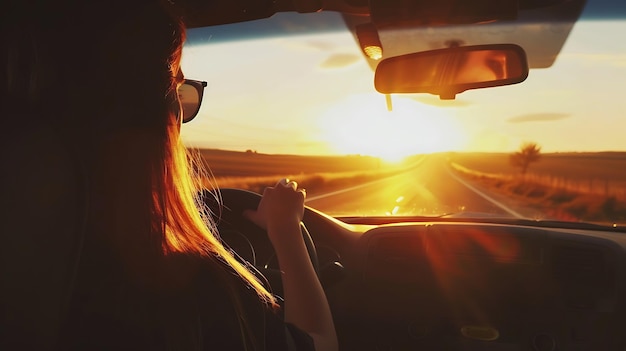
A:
447,72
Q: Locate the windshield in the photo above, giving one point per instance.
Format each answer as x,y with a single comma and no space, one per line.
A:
293,95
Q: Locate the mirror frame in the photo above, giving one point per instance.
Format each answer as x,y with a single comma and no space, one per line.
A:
450,91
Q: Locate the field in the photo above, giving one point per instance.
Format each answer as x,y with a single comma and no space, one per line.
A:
601,173
579,186
317,174
569,186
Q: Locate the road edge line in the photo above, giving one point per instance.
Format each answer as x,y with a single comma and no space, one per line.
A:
484,196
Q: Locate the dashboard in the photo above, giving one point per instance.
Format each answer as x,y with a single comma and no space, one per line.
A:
474,286
467,285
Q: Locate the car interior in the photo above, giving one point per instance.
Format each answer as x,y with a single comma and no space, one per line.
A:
411,281
452,282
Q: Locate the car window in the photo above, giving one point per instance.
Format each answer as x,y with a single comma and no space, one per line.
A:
293,95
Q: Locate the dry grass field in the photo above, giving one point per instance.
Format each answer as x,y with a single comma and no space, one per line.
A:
590,171
317,174
572,186
569,186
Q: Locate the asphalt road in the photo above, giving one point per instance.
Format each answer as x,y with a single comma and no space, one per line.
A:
428,188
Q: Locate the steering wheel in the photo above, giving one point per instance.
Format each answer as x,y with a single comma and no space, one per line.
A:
249,241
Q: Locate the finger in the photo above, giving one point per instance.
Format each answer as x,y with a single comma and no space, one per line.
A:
293,184
286,182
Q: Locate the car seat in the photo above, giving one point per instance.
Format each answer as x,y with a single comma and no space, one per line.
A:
42,214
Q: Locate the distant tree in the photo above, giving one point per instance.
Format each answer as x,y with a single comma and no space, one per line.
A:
528,153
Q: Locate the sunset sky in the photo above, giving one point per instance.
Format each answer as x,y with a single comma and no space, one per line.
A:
314,94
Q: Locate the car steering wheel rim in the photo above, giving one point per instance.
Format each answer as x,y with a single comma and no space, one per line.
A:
228,208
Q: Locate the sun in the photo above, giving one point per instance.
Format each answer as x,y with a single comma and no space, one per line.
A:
361,124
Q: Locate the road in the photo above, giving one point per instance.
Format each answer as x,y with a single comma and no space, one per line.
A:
428,188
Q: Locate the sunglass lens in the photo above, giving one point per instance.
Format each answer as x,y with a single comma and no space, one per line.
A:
189,100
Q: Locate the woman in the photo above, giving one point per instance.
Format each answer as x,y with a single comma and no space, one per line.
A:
90,88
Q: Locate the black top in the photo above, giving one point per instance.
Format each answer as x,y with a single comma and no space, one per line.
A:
188,307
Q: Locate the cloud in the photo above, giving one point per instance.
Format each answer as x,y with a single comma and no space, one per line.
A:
538,117
321,45
340,60
310,46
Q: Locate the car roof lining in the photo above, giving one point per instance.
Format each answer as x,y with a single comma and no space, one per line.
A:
203,13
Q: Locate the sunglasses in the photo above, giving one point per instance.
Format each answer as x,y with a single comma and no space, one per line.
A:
190,97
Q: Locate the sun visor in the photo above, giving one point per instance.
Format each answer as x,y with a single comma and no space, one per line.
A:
541,32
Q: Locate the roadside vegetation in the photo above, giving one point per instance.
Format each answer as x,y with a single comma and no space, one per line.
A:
528,153
568,186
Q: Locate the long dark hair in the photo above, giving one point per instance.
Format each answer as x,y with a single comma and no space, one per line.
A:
103,74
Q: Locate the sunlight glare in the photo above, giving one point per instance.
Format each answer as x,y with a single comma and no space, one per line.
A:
361,124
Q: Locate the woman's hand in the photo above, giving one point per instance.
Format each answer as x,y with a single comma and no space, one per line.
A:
281,208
